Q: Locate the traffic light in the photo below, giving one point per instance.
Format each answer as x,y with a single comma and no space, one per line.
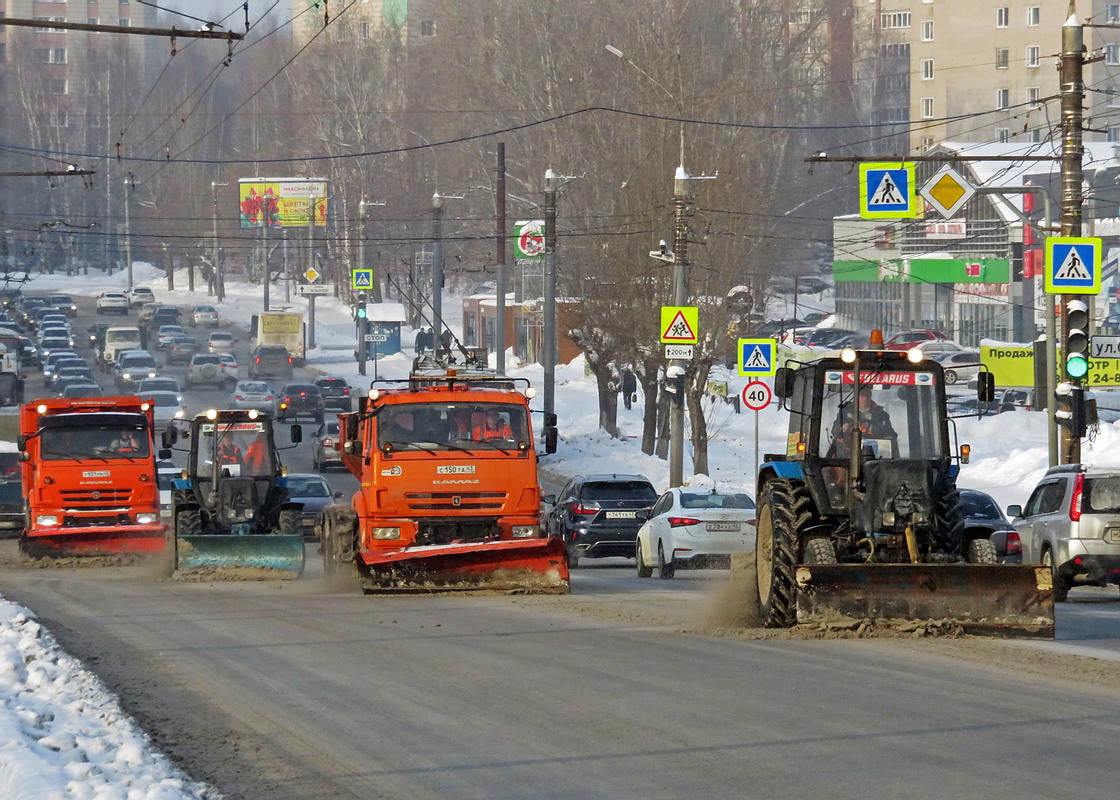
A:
360,312
1070,409
1076,334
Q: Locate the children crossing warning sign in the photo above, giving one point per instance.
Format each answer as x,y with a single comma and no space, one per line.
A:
680,324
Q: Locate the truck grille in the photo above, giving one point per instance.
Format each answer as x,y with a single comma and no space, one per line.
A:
447,531
96,521
96,499
456,501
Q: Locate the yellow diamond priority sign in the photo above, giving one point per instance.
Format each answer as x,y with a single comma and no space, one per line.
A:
311,274
947,191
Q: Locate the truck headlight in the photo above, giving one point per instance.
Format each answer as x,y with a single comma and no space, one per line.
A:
46,520
525,531
385,533
145,519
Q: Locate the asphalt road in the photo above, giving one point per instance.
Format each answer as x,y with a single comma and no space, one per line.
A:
627,688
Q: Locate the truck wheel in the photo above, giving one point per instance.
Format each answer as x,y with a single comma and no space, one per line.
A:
950,519
290,522
644,570
982,551
665,569
782,505
1061,588
820,551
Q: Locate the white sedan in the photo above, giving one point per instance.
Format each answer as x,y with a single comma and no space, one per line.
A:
691,527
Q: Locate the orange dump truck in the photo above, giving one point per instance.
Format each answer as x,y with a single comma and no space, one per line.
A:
449,495
89,477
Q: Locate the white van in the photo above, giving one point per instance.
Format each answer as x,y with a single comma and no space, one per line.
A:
117,340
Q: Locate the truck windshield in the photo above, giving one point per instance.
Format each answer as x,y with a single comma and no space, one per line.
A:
122,336
897,415
94,441
453,426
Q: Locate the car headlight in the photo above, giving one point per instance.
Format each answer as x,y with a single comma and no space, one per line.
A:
46,520
179,414
126,377
145,519
525,531
385,533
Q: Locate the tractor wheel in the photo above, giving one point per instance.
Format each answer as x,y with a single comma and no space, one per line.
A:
982,551
188,523
290,522
950,519
784,507
665,569
644,569
1061,588
820,551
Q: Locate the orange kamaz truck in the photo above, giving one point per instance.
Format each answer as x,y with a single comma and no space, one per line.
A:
449,495
89,477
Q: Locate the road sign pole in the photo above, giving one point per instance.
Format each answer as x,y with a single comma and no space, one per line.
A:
376,352
310,322
362,328
1071,68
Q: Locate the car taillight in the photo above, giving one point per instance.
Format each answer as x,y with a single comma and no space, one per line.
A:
258,359
578,508
303,394
1014,544
328,442
289,359
1075,500
237,397
680,522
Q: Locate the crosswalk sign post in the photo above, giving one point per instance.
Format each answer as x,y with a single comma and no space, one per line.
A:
758,358
362,278
888,191
1073,265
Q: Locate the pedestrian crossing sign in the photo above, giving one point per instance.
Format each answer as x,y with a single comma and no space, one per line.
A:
362,278
888,191
1073,265
758,357
680,324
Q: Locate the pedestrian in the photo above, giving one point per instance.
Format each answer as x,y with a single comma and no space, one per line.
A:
629,388
421,340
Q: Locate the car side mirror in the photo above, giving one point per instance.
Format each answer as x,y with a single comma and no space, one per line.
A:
1014,511
337,495
550,499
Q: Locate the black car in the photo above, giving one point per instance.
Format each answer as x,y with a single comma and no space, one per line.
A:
181,349
300,400
164,315
599,515
982,514
336,393
270,361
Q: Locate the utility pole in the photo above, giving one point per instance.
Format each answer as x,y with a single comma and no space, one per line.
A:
677,367
500,245
437,269
128,229
266,272
287,274
1073,151
216,278
548,349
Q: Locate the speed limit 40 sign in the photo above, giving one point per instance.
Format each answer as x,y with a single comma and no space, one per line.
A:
757,395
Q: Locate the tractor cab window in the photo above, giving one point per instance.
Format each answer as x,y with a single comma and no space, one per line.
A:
453,426
236,449
895,421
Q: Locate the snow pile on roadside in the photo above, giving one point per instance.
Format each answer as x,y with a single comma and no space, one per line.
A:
63,735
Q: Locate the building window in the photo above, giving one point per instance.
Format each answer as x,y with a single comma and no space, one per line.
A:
58,55
363,29
1003,98
93,21
1003,56
1112,54
1034,56
927,108
1112,12
57,119
1114,133
1002,16
1035,134
927,69
927,143
1033,93
124,22
1032,17
894,20
1003,134
895,51
927,30
427,27
1113,96
56,86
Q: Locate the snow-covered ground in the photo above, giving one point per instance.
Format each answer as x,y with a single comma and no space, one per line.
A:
62,735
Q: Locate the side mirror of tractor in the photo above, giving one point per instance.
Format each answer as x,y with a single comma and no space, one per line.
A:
164,454
297,434
985,387
170,436
783,382
550,437
550,420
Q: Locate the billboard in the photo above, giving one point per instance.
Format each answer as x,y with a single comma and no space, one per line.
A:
282,202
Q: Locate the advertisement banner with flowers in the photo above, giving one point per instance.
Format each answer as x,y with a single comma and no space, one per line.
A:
282,202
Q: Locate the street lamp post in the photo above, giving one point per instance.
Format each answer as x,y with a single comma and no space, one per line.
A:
216,283
548,354
128,229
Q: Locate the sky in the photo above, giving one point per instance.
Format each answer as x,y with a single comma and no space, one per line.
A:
63,735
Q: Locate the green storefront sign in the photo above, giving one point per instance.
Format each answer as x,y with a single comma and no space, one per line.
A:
924,270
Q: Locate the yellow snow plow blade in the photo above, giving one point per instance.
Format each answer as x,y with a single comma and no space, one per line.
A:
993,600
232,557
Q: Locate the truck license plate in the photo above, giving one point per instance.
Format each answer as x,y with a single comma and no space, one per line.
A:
622,514
1113,535
730,527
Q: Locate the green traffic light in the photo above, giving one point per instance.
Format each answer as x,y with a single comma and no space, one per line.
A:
1077,365
361,313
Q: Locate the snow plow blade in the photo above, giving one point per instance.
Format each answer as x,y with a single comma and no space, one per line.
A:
523,566
232,557
68,542
993,600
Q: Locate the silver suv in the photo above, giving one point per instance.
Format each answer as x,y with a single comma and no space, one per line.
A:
1071,523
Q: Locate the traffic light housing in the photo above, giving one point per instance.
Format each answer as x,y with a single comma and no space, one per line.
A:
1076,336
360,312
1070,409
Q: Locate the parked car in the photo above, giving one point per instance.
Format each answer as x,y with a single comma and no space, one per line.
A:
220,342
315,494
599,515
982,515
907,339
959,366
270,361
139,295
797,335
694,528
181,348
64,303
825,337
132,367
166,333
254,394
336,393
203,315
205,369
1071,523
324,451
300,400
115,302
939,347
